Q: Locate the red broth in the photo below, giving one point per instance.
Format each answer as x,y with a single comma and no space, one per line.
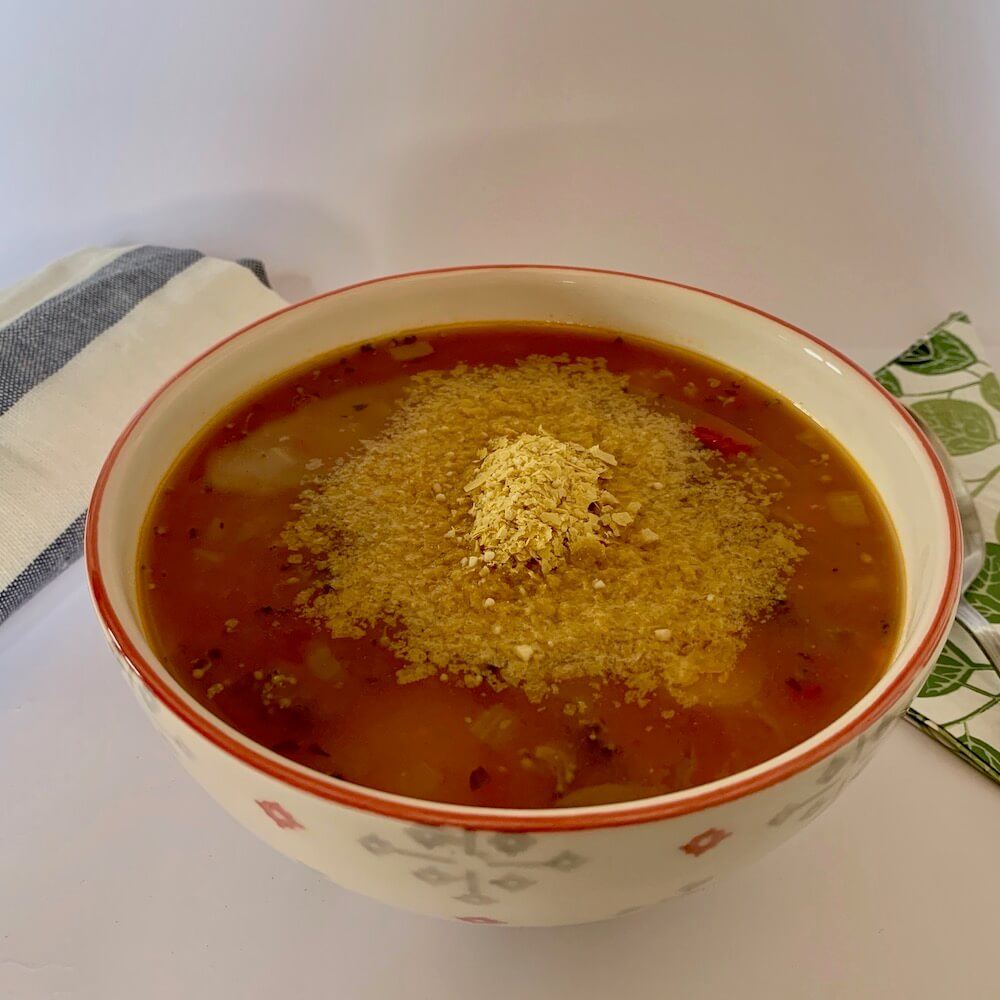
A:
217,591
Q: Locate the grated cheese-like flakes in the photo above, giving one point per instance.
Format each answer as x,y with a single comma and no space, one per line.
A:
536,499
533,572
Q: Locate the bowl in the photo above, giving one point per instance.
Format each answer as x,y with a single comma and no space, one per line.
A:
538,866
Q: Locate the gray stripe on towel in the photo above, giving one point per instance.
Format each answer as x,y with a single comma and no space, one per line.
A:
257,269
38,343
46,566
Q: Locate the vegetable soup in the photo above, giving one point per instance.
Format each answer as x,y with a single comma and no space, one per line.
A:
520,566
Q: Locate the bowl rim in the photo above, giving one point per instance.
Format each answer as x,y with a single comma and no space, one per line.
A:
431,813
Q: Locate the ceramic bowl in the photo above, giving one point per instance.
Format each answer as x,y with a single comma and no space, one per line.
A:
548,866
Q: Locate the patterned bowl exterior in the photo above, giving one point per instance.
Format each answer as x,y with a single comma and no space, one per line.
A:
485,876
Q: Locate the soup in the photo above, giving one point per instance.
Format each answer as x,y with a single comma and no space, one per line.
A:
520,566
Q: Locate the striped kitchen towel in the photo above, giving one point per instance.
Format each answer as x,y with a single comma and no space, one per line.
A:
83,344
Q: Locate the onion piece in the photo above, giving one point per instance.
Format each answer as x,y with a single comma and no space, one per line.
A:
410,352
275,457
249,469
847,508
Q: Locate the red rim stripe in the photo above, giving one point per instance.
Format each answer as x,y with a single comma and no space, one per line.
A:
585,818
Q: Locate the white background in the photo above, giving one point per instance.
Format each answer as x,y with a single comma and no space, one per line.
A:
836,163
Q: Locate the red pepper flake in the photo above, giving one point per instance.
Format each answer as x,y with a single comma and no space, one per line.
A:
478,778
807,690
725,446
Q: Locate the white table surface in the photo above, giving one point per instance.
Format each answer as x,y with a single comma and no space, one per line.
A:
835,164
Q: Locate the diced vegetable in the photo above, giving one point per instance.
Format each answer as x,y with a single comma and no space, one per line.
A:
599,795
420,780
812,440
496,726
323,664
249,469
726,446
737,688
847,508
410,352
559,761
208,556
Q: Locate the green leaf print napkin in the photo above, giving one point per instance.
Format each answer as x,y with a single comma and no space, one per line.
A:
944,379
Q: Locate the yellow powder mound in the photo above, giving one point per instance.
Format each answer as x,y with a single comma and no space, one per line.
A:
537,499
492,550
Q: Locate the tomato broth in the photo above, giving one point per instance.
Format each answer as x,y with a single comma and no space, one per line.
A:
220,594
